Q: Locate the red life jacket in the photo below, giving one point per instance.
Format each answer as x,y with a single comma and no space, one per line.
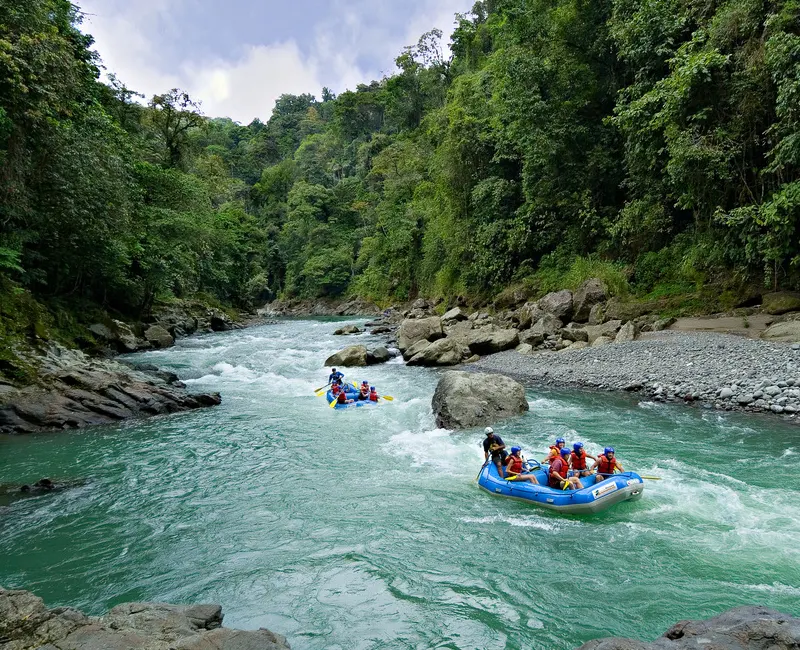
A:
342,399
578,462
514,464
373,396
606,465
558,472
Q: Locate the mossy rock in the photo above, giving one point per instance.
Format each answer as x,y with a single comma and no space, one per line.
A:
781,302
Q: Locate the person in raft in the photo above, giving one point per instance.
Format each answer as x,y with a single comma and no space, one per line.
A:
363,392
340,395
335,377
493,445
577,460
555,450
373,394
606,464
515,467
559,477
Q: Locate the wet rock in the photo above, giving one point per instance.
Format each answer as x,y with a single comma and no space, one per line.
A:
415,349
462,400
382,329
75,391
589,294
159,337
742,628
443,352
419,329
25,623
353,356
220,322
346,330
117,334
558,303
378,355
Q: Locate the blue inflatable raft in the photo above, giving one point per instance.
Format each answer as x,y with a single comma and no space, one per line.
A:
594,497
350,395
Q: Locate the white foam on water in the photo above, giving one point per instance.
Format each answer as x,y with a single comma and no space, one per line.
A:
522,521
437,448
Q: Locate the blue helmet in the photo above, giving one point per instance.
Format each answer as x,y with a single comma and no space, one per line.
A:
577,446
608,450
565,452
516,450
372,387
561,441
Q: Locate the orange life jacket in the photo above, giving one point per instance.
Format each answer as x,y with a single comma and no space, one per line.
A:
578,462
606,465
514,465
373,396
558,471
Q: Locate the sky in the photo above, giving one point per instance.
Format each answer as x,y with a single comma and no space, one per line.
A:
238,56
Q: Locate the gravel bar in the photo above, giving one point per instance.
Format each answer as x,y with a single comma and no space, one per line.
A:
714,370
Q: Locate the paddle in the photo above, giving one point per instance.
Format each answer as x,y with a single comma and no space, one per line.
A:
653,478
388,398
317,390
333,403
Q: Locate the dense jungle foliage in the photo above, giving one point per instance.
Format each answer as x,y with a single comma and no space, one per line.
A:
653,142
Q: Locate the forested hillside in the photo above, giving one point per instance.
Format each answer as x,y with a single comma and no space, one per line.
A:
653,142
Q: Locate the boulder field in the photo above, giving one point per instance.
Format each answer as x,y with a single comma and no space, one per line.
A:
73,391
25,623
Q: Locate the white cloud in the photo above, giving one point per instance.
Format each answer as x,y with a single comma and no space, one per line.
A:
131,39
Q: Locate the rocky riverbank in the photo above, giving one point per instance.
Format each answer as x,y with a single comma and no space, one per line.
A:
72,390
25,623
715,370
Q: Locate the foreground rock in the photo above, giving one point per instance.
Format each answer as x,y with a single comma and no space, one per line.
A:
26,623
716,370
742,628
75,391
10,492
467,399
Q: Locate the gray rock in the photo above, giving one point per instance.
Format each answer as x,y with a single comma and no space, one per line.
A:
524,348
776,408
628,332
578,345
454,315
601,340
663,324
347,330
378,355
444,352
462,401
574,334
726,393
742,628
597,315
558,303
529,314
547,325
772,391
353,356
158,337
26,623
744,400
414,330
415,349
492,341
781,302
788,332
608,330
589,294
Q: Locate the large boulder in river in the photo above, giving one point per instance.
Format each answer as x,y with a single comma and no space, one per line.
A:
347,329
378,355
351,357
742,628
444,352
788,332
491,341
468,399
558,303
25,622
158,337
413,330
589,294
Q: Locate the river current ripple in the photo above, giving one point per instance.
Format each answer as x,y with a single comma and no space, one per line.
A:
364,529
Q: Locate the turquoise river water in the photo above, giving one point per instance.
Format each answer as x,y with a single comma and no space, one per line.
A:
364,528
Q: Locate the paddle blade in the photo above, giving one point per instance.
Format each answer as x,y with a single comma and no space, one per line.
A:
653,478
321,388
333,404
388,398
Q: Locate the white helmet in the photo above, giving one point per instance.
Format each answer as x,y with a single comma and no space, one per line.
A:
488,430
